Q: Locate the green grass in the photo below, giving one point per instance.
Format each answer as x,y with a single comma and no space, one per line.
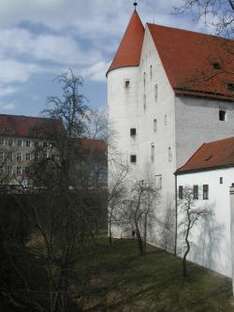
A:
120,280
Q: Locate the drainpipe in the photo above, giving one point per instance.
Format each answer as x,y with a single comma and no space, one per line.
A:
176,215
232,231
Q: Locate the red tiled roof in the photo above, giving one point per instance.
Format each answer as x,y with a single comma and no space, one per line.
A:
24,126
93,144
188,58
129,51
217,154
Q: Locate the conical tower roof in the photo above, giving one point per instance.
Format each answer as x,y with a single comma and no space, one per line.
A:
129,51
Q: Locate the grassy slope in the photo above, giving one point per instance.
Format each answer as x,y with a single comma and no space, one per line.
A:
120,280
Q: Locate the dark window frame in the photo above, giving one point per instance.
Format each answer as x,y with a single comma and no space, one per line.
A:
205,191
181,192
133,158
222,115
133,132
195,192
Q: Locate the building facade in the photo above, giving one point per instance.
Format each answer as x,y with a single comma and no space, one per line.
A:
168,93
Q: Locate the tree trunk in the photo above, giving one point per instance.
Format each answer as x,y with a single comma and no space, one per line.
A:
185,273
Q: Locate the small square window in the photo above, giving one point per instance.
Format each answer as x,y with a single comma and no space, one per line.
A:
216,65
181,195
133,158
132,131
127,83
230,86
222,115
221,180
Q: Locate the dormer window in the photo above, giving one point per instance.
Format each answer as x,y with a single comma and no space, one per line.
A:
216,65
127,83
230,86
222,115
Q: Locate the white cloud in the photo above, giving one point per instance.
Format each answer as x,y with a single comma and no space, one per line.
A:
14,71
44,47
96,72
7,90
7,107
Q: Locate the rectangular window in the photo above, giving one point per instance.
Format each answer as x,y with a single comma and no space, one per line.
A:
1,141
195,192
156,92
127,83
144,79
181,192
9,170
152,152
18,170
28,143
151,71
18,157
28,156
133,158
158,178
10,156
144,102
19,142
205,191
155,126
221,180
10,142
222,115
1,156
132,131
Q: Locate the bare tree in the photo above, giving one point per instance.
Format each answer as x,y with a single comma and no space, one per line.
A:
190,216
117,191
139,211
216,13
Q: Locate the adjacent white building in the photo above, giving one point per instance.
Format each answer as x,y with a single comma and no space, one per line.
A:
209,173
168,92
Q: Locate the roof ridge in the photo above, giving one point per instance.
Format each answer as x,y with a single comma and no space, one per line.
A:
191,31
30,117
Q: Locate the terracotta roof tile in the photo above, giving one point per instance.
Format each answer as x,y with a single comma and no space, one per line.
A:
217,154
24,126
129,51
191,61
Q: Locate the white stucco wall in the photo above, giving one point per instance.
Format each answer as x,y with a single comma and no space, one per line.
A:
126,110
197,122
211,246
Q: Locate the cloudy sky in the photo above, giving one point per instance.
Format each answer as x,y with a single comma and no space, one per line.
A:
41,38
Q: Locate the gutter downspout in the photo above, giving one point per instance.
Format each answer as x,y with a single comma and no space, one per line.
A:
176,215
